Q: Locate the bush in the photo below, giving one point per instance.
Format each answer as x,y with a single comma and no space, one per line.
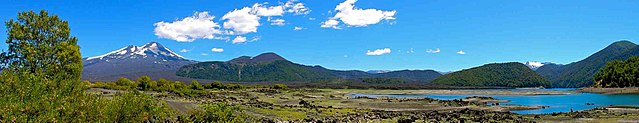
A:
196,85
280,87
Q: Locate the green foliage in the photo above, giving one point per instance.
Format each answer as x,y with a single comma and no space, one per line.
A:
383,80
618,73
146,83
40,79
280,70
126,82
280,87
495,75
219,112
580,74
196,85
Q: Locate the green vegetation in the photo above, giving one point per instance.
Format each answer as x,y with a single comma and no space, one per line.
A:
279,70
40,80
383,80
619,73
580,74
495,75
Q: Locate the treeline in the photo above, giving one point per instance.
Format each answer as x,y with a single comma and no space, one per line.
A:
279,70
146,83
383,80
618,73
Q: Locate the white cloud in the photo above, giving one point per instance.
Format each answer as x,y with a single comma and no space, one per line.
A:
331,23
410,51
311,18
433,51
278,22
297,28
239,39
185,50
296,8
378,52
200,25
461,52
217,50
261,10
352,16
204,54
241,21
255,38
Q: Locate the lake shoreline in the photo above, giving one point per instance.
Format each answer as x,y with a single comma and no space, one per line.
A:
455,91
627,90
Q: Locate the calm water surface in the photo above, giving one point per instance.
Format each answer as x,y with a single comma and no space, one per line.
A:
557,103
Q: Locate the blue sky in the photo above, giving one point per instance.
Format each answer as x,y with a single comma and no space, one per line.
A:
487,31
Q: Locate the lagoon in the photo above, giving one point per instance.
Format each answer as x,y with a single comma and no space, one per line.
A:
558,103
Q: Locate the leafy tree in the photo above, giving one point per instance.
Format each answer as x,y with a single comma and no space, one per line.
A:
40,78
165,85
196,85
179,85
145,83
126,82
618,73
42,64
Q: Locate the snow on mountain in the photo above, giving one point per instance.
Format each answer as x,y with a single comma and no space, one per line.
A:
378,71
151,49
534,64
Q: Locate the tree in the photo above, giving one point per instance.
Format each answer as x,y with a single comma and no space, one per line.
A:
164,85
126,82
196,85
617,73
145,83
42,64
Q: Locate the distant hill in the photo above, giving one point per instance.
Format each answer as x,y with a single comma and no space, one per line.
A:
580,73
411,75
272,67
511,74
150,59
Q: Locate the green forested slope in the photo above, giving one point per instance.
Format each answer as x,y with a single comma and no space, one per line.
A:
495,75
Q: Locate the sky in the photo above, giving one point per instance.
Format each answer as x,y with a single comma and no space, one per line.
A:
443,35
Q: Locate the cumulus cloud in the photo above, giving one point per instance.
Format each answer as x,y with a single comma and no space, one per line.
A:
255,38
296,8
200,25
461,52
278,22
261,10
217,50
297,28
185,50
241,21
331,23
352,16
377,52
433,51
239,39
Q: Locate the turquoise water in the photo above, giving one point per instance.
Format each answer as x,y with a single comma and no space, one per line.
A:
557,103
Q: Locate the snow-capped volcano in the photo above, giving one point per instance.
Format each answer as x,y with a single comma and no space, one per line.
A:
151,49
151,59
535,64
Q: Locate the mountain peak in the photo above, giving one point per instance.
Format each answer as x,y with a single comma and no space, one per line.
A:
264,57
151,49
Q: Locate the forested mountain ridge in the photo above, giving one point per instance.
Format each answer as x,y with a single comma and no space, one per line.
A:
512,74
272,67
580,73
